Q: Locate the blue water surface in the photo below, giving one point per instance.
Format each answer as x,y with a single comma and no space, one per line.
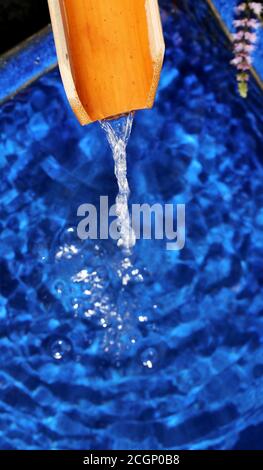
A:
162,349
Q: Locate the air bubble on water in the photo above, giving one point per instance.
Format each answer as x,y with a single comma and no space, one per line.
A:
89,313
75,306
149,357
68,236
59,287
127,272
93,301
135,272
126,263
60,348
67,252
103,323
134,338
125,279
142,318
69,244
87,292
81,276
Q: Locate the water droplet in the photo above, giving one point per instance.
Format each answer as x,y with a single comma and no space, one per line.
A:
59,287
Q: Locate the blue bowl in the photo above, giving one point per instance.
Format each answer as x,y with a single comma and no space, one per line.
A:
172,357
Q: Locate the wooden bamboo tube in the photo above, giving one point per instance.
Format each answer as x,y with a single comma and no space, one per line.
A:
110,54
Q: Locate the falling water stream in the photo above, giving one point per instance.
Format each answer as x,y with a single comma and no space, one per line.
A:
118,132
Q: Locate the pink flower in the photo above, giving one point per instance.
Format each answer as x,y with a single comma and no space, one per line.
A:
237,60
244,40
252,23
244,55
249,60
238,36
256,7
240,23
241,7
239,46
249,48
251,37
243,66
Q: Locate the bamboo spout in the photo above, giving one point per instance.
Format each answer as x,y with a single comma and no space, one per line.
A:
110,54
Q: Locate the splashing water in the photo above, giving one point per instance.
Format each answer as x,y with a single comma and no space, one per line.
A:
118,132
